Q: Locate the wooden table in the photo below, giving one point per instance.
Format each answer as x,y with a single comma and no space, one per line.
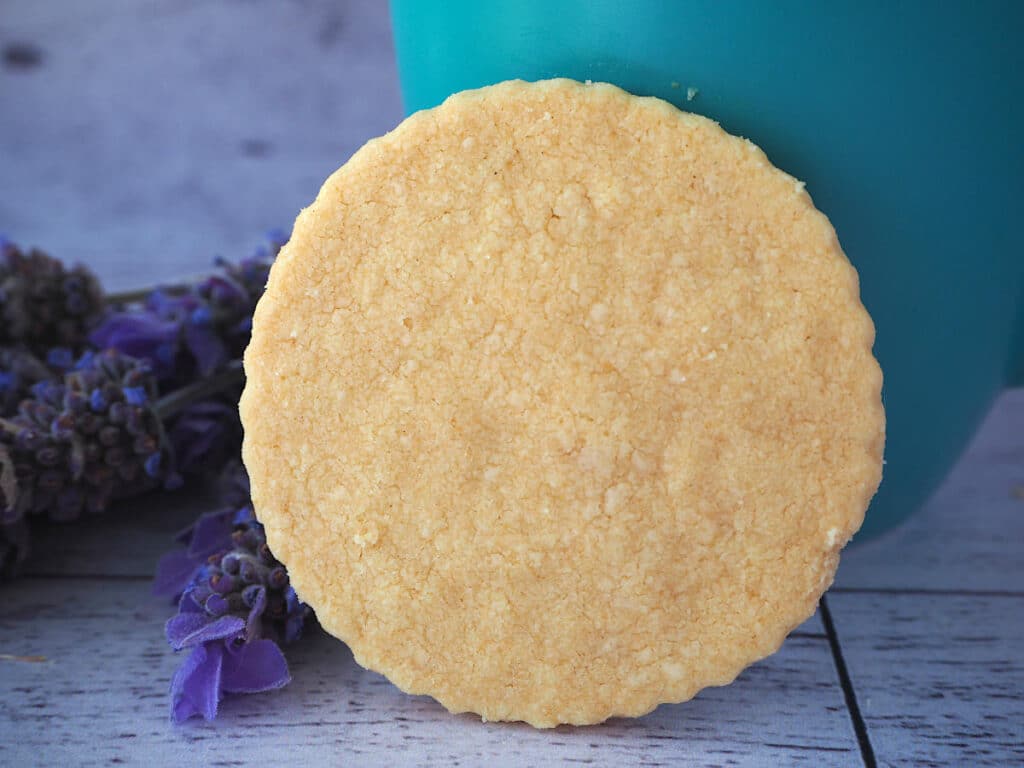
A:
170,129
913,659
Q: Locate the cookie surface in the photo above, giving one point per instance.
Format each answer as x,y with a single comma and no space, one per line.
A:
561,404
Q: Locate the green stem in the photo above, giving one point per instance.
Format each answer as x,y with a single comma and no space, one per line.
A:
137,295
230,376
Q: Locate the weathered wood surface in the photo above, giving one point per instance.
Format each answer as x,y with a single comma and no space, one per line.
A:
144,137
101,696
939,678
970,536
931,616
934,674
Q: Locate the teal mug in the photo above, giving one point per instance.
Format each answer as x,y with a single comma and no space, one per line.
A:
903,118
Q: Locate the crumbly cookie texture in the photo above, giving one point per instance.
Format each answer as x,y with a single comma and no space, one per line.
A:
561,404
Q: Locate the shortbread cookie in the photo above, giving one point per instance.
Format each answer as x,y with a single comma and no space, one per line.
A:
561,404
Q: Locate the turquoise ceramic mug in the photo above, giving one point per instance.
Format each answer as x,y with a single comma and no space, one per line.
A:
904,119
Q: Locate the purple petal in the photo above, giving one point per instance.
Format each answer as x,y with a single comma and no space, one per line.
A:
179,628
203,434
135,395
173,573
168,306
225,289
188,629
60,359
208,350
196,685
211,533
187,603
245,516
139,334
254,667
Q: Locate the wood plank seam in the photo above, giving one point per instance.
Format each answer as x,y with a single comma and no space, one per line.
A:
860,728
929,592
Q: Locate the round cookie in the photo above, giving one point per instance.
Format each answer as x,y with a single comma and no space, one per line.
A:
561,404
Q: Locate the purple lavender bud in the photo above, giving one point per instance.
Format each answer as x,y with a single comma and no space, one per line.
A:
97,401
222,583
134,418
278,578
114,457
27,440
152,465
252,594
216,605
49,456
136,377
87,423
244,516
248,573
230,563
135,395
109,436
224,290
63,427
116,413
201,316
254,539
75,402
265,554
47,391
76,304
145,445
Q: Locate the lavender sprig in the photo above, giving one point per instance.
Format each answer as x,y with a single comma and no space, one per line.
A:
96,432
76,430
236,608
191,331
78,441
19,370
43,303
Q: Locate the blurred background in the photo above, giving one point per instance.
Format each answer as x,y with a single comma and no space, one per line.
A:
144,137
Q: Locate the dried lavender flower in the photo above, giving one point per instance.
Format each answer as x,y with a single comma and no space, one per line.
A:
236,607
236,610
19,370
81,440
43,303
193,330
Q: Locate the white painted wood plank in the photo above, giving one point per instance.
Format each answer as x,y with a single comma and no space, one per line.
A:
939,678
156,134
102,695
970,536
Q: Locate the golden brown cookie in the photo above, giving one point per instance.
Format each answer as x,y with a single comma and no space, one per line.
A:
561,404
